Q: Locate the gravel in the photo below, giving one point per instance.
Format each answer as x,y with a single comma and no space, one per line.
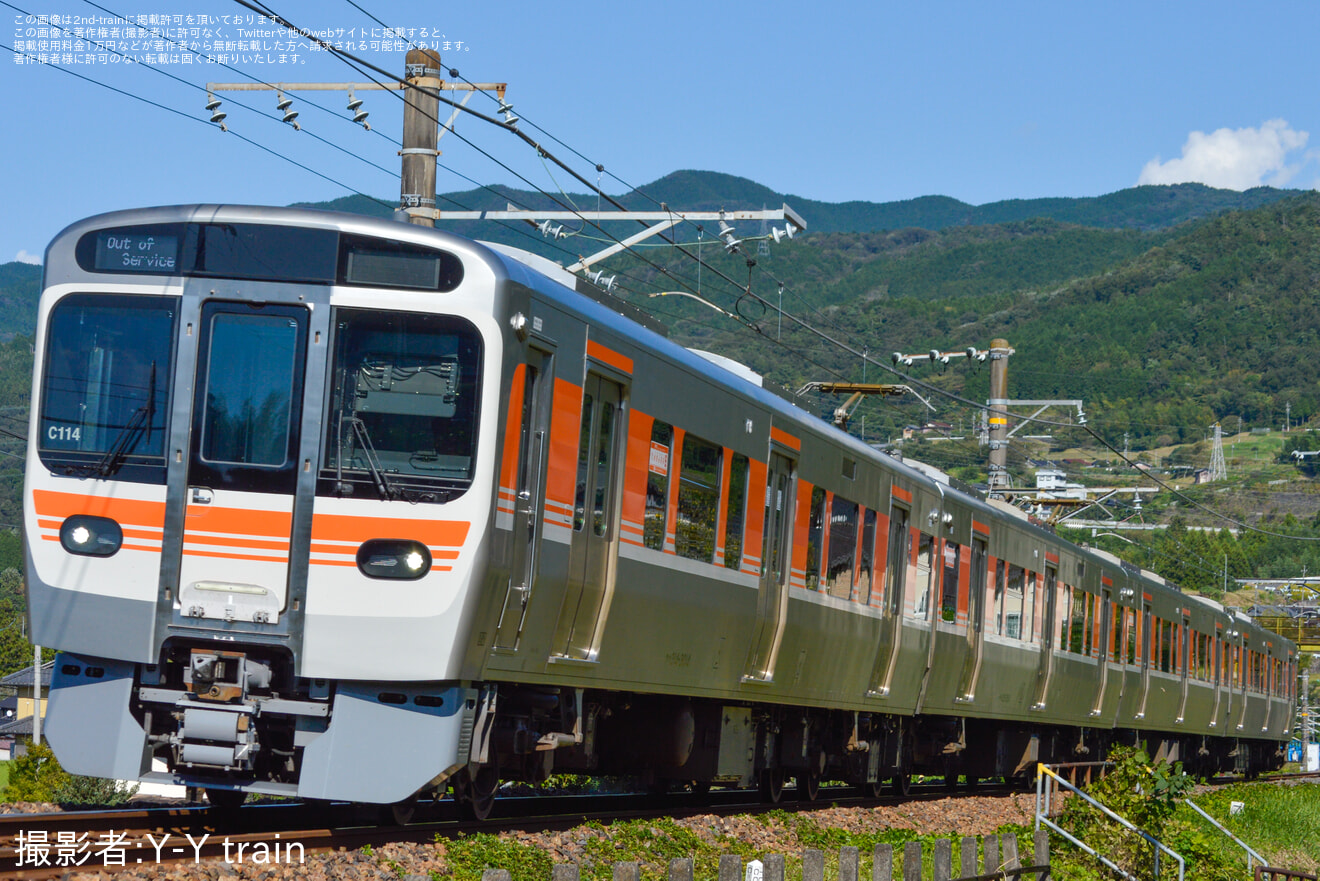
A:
944,817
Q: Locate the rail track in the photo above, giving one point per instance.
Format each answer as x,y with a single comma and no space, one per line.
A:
280,833
53,844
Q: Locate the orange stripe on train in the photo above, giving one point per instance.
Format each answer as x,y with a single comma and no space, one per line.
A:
61,505
239,521
432,533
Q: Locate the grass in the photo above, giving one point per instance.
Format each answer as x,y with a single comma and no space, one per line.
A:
1282,823
653,843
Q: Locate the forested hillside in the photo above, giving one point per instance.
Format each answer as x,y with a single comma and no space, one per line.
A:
1163,308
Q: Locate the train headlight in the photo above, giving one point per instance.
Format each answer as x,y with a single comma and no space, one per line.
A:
91,536
394,558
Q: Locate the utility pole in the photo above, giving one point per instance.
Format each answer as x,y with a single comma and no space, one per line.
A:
421,128
421,108
998,477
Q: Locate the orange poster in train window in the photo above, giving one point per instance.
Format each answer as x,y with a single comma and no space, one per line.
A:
659,459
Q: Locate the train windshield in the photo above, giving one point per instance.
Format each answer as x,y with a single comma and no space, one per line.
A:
104,397
402,421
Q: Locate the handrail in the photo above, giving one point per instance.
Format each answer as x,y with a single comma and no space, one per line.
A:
1240,843
1045,778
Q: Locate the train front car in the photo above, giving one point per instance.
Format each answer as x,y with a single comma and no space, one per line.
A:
258,491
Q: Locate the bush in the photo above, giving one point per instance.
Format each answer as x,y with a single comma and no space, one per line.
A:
38,777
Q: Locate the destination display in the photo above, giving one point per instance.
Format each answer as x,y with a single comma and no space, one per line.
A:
130,251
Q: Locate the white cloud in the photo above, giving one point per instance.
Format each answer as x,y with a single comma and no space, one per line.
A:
25,257
1234,159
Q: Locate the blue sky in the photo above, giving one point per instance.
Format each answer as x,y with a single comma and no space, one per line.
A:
827,100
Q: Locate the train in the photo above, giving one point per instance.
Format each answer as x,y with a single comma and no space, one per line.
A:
331,507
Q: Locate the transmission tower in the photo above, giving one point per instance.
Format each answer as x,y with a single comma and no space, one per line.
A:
1218,470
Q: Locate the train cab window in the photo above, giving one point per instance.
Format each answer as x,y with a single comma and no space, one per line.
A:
736,512
657,485
949,584
843,548
105,391
924,576
698,499
815,537
402,420
866,559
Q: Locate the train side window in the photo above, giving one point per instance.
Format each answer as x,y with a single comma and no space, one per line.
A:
1130,617
698,499
866,559
657,485
815,537
900,544
949,584
1029,599
926,572
1013,602
843,547
997,598
1077,628
1166,646
1063,625
584,465
736,513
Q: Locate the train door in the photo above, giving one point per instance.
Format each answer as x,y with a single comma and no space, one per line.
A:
1103,649
1215,646
242,467
1146,636
975,620
528,493
772,602
1242,673
891,623
1050,625
595,514
1184,662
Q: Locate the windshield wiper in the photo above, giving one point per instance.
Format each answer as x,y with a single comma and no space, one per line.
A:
127,439
383,486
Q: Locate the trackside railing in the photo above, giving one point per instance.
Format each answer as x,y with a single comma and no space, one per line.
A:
1251,854
1047,780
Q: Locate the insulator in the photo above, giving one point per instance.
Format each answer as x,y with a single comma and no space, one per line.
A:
212,101
290,116
283,103
218,116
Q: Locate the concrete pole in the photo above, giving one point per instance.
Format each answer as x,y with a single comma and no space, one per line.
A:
999,352
36,695
420,134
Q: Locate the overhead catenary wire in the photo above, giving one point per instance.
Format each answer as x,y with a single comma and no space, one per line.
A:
746,290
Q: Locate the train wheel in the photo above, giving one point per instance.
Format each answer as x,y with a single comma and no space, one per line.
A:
476,795
226,801
950,781
973,782
699,788
400,813
874,789
771,785
901,784
808,785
